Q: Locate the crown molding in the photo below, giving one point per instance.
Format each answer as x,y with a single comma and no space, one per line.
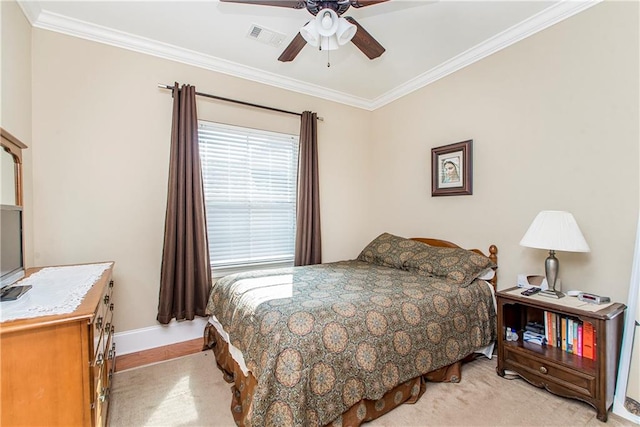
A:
544,19
46,20
30,9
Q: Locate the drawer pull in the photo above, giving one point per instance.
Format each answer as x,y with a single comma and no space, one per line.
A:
99,322
111,307
100,359
111,283
106,299
107,327
543,370
113,329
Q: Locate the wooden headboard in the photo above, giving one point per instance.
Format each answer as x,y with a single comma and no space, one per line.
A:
493,253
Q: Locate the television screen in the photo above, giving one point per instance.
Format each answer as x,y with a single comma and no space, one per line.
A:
11,261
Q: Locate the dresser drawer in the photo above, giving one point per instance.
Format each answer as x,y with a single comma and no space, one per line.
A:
99,375
102,352
111,358
549,372
103,319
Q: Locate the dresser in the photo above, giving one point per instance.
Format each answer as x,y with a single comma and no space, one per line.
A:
56,369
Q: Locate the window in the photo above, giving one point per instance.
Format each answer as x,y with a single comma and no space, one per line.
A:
249,179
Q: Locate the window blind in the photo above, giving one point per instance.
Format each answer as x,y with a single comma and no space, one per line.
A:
249,179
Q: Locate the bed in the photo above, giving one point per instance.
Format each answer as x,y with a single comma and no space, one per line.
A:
343,343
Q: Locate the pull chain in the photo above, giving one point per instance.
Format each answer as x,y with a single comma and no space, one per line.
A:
328,55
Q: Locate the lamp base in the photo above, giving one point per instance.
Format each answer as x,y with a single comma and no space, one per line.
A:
551,293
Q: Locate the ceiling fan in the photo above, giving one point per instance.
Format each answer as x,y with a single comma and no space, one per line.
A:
328,29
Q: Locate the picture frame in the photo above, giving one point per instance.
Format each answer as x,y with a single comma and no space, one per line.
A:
452,169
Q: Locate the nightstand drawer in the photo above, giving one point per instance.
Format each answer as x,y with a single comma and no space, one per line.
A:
549,372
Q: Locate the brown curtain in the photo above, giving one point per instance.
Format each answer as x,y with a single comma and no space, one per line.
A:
308,243
185,277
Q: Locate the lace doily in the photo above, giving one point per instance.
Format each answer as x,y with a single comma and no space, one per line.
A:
55,290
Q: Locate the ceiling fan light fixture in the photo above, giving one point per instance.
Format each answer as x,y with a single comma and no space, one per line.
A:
310,33
346,31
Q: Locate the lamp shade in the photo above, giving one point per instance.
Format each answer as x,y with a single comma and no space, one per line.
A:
310,33
329,43
555,230
346,31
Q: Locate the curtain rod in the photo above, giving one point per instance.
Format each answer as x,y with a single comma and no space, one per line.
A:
235,101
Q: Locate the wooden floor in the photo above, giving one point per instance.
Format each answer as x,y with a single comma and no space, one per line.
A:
158,354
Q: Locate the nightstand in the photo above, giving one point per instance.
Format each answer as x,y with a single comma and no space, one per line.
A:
564,373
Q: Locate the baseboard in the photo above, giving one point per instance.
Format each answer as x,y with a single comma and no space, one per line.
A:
157,354
621,411
159,336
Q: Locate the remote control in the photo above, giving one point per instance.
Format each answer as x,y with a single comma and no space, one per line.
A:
530,291
12,293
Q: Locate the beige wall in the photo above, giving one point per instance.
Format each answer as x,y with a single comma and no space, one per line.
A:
15,104
554,119
16,71
102,130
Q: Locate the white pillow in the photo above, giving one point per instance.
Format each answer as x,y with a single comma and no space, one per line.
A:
487,274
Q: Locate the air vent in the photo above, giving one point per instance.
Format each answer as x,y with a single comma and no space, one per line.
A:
265,35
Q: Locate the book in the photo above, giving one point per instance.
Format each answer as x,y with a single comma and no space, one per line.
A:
536,327
534,337
569,335
574,336
587,340
563,333
549,319
579,346
546,325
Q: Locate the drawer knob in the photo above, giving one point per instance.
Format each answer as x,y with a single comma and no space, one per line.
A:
99,322
106,299
543,370
100,359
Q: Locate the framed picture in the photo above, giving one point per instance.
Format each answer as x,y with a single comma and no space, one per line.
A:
451,169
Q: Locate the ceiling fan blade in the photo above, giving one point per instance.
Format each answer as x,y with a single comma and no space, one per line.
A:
363,3
294,48
365,41
296,4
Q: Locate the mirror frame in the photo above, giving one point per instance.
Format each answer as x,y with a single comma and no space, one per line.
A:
627,346
14,146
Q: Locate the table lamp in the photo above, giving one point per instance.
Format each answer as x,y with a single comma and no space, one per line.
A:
554,231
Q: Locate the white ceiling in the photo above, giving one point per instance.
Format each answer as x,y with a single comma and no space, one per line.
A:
424,39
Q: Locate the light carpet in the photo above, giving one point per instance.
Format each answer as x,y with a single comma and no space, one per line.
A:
190,391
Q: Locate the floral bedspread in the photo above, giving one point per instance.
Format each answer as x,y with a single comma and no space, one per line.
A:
320,338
